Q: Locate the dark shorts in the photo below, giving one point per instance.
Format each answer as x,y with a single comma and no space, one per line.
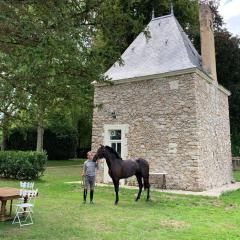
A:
89,182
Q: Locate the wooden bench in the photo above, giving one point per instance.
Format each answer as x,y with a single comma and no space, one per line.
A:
160,174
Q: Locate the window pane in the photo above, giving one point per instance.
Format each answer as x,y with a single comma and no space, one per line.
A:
115,135
119,148
113,145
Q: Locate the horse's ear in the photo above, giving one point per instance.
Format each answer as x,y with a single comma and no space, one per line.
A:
101,145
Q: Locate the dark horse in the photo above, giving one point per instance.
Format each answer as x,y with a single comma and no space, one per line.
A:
119,169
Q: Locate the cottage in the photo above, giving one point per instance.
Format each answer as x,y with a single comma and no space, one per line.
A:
167,107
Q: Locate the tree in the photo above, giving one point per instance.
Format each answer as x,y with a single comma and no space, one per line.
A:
49,56
228,67
12,102
47,49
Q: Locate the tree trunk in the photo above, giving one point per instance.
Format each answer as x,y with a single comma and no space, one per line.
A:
40,132
4,132
4,138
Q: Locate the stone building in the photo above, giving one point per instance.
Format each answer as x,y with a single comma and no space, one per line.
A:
167,107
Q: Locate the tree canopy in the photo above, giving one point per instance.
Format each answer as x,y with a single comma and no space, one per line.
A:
50,50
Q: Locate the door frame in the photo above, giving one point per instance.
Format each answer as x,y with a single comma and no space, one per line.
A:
106,141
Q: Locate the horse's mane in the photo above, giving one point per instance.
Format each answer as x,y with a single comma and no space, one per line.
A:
113,152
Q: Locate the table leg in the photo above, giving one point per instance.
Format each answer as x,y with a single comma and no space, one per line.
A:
3,210
11,207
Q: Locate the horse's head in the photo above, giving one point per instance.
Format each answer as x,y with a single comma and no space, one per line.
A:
100,153
106,152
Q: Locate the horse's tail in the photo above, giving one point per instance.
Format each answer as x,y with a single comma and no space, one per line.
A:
144,170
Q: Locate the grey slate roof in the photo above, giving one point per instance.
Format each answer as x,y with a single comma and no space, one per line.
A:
168,49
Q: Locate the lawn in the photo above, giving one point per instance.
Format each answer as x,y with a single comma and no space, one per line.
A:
60,214
70,162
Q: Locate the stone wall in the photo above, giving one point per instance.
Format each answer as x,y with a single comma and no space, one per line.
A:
215,162
164,116
156,180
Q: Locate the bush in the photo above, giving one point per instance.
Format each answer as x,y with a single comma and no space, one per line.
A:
82,152
22,139
60,146
21,165
235,141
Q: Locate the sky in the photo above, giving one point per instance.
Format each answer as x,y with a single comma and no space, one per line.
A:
230,10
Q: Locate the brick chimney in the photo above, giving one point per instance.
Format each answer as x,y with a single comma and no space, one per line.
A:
207,41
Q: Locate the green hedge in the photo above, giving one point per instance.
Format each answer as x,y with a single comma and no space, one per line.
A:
26,165
235,141
60,146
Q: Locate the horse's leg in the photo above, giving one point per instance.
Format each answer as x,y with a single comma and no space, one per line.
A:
140,185
148,193
147,186
116,186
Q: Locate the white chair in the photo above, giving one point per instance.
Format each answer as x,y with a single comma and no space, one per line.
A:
26,185
24,211
28,196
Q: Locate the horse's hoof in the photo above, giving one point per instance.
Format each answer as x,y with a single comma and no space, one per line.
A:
136,199
116,203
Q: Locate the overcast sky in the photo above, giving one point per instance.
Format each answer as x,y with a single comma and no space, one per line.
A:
230,10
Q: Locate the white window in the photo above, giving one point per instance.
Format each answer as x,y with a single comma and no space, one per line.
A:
114,135
115,140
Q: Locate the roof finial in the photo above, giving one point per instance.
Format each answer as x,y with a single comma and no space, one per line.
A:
153,14
172,12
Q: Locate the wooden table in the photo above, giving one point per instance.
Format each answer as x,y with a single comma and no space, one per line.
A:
7,194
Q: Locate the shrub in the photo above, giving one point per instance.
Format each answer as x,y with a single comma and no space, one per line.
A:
27,165
235,140
60,145
82,152
22,139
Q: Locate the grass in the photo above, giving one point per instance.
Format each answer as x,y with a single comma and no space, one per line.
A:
70,162
59,213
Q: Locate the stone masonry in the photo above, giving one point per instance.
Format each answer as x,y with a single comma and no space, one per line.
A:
178,123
